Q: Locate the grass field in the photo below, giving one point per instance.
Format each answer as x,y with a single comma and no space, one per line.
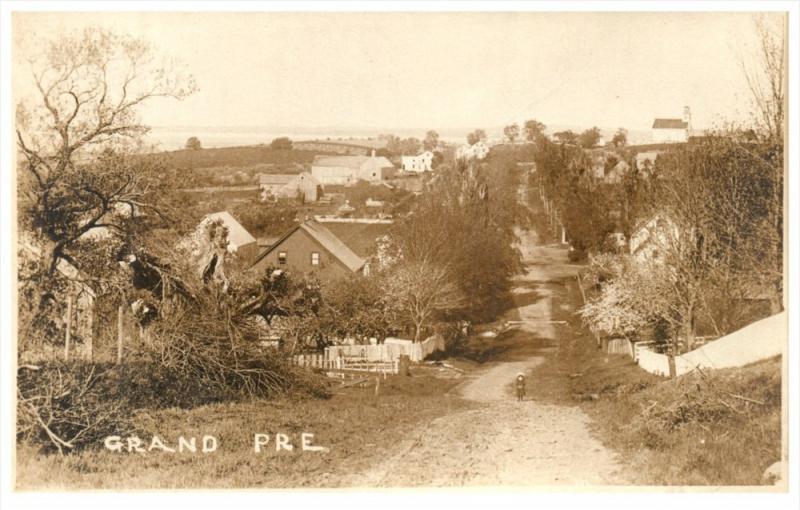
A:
355,427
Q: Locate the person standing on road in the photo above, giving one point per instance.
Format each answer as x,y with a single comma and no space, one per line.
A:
520,384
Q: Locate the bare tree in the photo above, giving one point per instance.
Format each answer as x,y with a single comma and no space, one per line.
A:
422,290
88,87
766,76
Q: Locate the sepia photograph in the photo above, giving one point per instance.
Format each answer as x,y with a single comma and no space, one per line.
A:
403,249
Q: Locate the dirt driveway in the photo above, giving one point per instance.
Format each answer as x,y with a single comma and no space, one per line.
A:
505,442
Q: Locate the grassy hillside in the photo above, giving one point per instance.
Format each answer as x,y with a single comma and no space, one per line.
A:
235,157
357,429
720,427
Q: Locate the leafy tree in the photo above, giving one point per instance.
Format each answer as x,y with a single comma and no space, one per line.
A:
193,144
479,135
438,159
281,144
431,141
534,130
620,138
511,132
566,137
402,146
589,138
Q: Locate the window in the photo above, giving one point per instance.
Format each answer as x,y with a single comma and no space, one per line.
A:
282,258
314,258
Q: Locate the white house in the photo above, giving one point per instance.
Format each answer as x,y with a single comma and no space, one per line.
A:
651,238
240,241
347,170
673,130
420,163
478,150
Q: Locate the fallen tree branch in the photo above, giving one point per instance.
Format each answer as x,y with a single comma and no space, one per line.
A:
53,437
734,395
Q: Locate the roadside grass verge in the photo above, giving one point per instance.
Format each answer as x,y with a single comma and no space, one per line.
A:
353,425
719,427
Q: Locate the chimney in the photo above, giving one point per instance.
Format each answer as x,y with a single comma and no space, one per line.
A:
687,118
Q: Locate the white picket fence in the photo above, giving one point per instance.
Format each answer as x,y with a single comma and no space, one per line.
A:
620,346
355,363
388,351
370,358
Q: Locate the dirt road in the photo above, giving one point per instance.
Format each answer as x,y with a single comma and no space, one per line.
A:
505,442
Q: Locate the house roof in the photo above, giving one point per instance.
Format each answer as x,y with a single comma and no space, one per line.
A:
376,163
327,239
237,234
354,162
275,178
359,237
266,242
423,154
346,161
670,124
304,176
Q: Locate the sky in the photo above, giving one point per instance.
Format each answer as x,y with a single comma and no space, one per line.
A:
435,70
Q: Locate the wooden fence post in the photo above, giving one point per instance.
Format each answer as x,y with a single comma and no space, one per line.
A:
580,287
68,334
403,365
119,335
671,363
90,332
